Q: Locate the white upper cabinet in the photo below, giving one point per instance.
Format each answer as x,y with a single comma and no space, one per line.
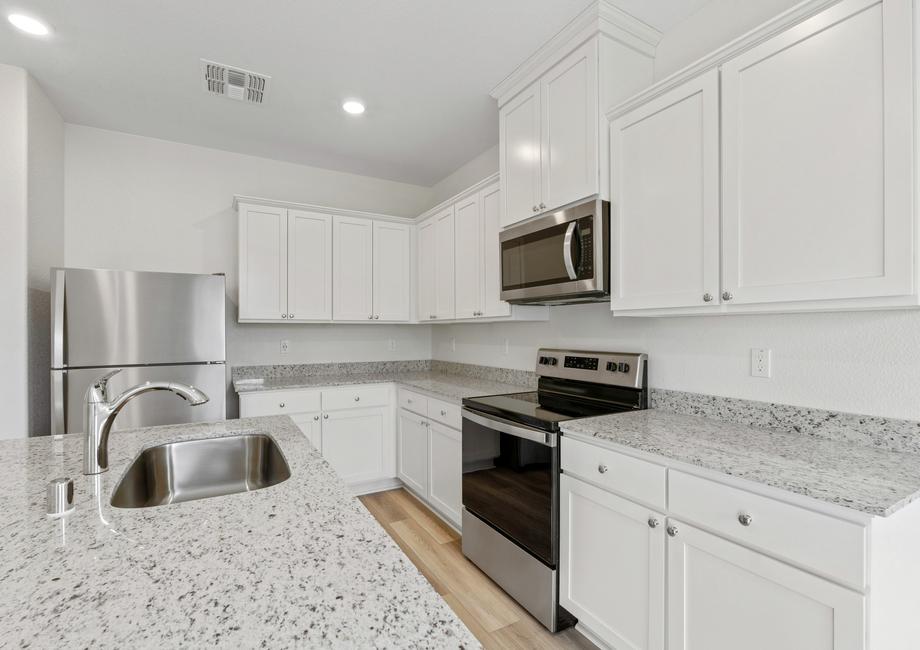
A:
427,269
468,248
444,264
664,160
353,271
817,159
570,143
519,153
392,271
309,265
263,251
490,213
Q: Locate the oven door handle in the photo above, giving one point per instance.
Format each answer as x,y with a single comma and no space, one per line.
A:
506,426
567,251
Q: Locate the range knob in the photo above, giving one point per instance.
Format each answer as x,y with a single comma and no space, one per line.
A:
552,361
544,361
612,366
623,367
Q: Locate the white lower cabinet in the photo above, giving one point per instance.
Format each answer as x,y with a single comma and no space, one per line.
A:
312,426
353,443
723,596
444,462
412,450
612,566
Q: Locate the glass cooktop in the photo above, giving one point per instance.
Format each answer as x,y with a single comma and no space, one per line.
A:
541,410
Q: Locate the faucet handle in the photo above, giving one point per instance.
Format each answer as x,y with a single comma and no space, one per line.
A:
102,384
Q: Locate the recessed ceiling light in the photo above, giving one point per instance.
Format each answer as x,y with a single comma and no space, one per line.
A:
354,107
29,25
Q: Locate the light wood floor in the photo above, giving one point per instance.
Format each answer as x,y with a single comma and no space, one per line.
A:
495,619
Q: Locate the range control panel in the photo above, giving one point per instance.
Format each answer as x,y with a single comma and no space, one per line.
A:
612,368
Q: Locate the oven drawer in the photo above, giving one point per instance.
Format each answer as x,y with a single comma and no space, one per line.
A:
356,397
415,402
830,546
633,478
279,402
445,413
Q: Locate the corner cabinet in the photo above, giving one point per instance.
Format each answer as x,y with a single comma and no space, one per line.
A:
320,265
459,261
780,179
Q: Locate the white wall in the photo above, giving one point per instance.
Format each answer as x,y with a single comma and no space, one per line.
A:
13,252
147,204
483,165
46,243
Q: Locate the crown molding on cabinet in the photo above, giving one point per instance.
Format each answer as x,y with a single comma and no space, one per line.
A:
599,17
469,191
775,25
323,209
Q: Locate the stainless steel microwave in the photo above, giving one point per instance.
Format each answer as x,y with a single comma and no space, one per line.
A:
563,257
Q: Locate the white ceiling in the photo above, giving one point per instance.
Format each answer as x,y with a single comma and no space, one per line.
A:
423,67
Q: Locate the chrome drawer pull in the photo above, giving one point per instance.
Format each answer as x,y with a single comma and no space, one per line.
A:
745,519
653,523
602,468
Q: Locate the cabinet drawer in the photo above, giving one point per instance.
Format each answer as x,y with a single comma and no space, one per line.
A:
828,545
445,413
356,397
631,477
279,402
414,402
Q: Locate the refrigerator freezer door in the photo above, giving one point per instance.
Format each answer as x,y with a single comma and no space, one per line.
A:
151,409
118,318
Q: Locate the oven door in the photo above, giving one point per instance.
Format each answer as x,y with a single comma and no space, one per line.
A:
557,258
510,481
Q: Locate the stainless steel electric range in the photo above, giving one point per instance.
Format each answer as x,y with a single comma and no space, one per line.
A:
511,468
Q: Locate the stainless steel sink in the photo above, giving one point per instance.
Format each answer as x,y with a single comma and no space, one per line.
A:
198,469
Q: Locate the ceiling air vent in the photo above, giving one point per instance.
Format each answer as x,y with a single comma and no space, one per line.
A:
235,83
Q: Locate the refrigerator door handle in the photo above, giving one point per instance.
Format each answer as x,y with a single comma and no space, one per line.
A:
57,324
58,402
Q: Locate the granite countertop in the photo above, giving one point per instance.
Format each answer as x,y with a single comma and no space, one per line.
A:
861,477
442,385
299,564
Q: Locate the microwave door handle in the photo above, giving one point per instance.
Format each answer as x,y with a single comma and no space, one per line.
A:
567,251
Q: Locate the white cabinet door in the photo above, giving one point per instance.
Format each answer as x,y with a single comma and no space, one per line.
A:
355,443
519,152
444,470
444,263
612,566
309,265
392,271
467,250
427,269
665,200
353,269
817,159
311,425
569,157
490,205
722,596
412,451
263,262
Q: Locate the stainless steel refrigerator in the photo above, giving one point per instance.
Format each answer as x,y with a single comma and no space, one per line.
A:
155,326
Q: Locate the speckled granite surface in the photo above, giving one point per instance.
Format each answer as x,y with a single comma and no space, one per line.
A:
869,479
442,385
337,368
300,564
885,433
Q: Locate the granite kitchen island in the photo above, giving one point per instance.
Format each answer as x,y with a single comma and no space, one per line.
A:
298,564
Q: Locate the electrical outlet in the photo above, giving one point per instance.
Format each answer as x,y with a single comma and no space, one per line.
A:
285,346
391,345
761,362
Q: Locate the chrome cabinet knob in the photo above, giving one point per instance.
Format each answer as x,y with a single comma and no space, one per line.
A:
602,469
727,295
408,401
370,317
315,417
542,206
325,416
745,519
443,412
281,405
290,315
357,398
283,315
653,522
534,208
376,316
707,297
672,531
